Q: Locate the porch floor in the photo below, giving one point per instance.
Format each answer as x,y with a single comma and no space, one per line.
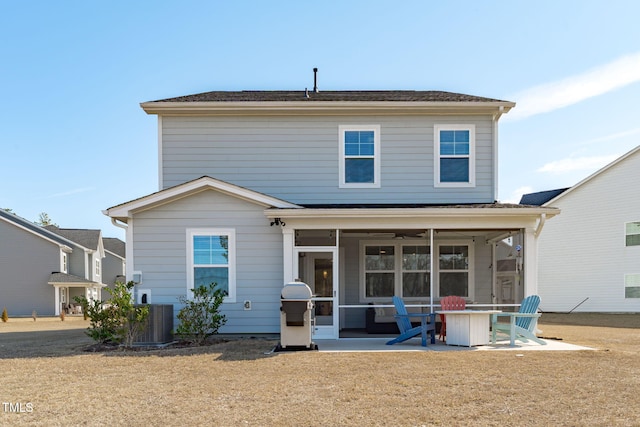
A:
378,344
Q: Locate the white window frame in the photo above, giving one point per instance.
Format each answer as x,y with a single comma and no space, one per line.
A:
626,233
376,156
631,280
470,267
64,262
397,271
231,262
471,156
97,268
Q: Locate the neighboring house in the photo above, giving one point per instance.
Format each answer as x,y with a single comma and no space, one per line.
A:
589,257
361,194
114,263
44,268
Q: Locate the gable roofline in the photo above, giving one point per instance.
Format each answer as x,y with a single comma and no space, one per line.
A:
114,246
594,175
89,239
325,102
539,198
37,230
124,211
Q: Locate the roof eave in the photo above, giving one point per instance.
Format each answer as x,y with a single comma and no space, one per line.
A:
325,107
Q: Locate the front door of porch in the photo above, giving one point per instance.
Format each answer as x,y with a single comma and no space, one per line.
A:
317,268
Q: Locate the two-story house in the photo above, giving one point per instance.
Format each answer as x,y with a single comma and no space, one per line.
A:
44,268
600,222
360,194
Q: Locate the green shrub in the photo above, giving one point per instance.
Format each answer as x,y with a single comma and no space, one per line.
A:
200,317
5,315
103,323
117,320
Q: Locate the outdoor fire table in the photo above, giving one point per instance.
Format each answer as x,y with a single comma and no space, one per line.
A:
468,327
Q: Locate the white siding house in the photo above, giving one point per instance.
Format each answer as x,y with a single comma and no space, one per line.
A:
589,257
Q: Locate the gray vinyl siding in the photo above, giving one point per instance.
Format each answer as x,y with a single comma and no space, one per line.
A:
160,245
77,263
297,159
111,268
26,262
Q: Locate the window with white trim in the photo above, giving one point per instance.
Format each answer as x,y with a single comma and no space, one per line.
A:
454,272
391,268
211,259
454,159
359,156
632,285
632,234
63,262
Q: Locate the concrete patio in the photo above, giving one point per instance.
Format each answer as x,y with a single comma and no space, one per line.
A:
378,344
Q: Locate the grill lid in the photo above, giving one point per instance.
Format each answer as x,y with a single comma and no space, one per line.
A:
296,290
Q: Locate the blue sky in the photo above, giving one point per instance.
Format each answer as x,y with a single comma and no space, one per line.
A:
73,73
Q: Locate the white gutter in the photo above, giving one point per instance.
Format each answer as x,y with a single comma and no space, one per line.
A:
321,107
114,221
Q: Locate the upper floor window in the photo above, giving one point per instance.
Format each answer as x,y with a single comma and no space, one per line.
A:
632,233
359,156
211,259
64,268
454,155
97,268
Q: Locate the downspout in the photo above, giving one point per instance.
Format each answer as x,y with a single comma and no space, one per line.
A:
538,230
496,117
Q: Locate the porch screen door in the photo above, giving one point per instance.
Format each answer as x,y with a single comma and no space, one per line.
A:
316,269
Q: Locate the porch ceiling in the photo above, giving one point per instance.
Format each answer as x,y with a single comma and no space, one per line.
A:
490,235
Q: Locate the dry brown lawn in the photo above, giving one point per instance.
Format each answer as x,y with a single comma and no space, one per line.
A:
44,364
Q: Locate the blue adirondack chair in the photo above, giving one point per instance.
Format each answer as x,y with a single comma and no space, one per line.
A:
522,325
407,331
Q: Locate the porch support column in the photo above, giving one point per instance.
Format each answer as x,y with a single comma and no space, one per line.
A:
431,269
287,255
530,262
56,291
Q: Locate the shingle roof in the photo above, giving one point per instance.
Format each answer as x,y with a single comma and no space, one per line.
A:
90,239
333,96
34,227
57,277
115,246
541,197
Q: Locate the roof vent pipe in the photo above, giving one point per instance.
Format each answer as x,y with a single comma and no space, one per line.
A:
315,80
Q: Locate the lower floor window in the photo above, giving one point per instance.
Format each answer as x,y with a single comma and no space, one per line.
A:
453,263
211,259
632,286
396,269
